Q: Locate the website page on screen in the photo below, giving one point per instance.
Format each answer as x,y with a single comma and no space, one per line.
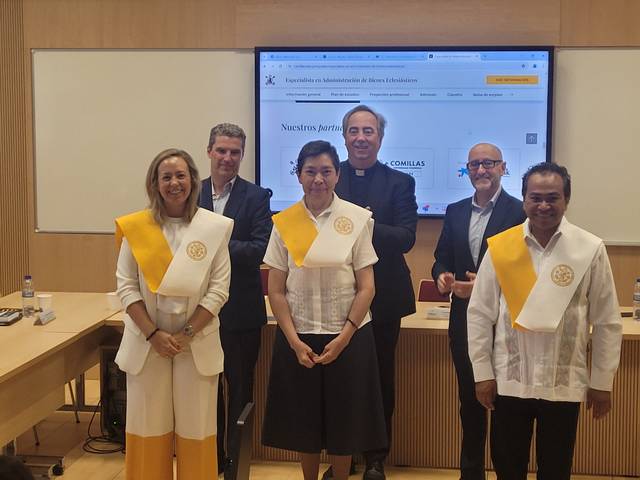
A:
437,104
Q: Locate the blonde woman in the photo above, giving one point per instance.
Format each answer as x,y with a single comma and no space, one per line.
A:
173,277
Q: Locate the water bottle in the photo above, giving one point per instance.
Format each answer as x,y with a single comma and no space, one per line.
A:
28,297
636,300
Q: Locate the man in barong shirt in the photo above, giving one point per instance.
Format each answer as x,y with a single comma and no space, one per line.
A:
543,291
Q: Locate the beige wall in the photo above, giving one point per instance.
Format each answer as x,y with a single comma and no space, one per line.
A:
86,262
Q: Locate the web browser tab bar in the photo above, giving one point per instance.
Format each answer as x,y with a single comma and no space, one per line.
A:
453,57
514,56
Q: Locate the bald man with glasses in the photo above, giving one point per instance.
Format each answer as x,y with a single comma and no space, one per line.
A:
462,244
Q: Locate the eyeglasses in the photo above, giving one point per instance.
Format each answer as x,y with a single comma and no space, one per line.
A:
487,163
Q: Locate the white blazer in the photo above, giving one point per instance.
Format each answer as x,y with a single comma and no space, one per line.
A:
205,345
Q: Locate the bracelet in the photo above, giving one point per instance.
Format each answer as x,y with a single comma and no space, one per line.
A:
352,323
153,333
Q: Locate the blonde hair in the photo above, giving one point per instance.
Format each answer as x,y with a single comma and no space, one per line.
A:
156,202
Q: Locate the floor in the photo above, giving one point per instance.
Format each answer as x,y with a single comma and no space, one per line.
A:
61,435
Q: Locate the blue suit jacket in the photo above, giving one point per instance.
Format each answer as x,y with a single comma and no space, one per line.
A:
248,206
453,254
391,197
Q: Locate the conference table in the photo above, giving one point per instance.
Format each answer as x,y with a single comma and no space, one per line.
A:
37,361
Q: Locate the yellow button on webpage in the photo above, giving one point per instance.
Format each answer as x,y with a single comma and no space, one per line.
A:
512,79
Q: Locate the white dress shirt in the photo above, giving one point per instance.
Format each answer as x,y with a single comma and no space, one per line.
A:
478,223
320,298
549,366
219,200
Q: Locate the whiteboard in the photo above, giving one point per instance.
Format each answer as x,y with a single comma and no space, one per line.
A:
597,135
100,117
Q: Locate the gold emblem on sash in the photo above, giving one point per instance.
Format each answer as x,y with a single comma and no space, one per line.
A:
562,275
343,225
196,250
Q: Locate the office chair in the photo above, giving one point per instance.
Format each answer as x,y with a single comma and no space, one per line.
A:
245,425
264,276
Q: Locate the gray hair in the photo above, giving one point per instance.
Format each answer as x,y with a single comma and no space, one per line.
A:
382,122
226,130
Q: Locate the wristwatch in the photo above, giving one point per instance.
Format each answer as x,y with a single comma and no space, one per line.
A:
188,330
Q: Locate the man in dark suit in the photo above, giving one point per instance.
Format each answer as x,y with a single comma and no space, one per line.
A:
242,317
462,244
390,195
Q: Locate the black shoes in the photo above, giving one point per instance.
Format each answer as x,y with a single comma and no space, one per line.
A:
229,470
374,471
328,474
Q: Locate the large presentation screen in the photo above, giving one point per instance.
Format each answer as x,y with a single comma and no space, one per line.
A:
438,102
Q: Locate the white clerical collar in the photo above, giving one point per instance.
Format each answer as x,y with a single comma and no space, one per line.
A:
361,172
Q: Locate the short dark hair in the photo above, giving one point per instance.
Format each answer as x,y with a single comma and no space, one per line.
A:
547,168
315,148
382,122
226,130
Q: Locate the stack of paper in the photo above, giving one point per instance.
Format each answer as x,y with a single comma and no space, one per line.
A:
438,312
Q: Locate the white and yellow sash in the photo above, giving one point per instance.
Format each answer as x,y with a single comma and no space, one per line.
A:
331,245
165,273
538,302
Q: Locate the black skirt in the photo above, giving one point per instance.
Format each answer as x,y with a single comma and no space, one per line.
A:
337,407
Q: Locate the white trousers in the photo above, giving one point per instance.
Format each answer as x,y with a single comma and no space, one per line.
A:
170,397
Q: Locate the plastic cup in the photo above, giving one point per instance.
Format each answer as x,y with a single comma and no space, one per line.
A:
45,301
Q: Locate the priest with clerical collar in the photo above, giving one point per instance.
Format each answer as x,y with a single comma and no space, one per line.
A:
543,292
390,195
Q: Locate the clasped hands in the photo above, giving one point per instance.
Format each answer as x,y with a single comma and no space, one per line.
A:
168,345
462,289
308,358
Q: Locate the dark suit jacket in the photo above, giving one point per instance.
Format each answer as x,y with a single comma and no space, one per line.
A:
453,254
392,199
248,206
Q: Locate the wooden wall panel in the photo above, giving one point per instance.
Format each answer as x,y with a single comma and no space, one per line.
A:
625,263
600,23
129,24
426,405
74,263
610,446
14,162
389,22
